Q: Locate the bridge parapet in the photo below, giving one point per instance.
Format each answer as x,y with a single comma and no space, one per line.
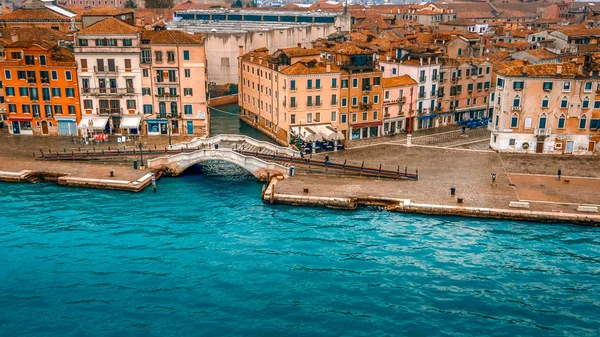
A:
239,139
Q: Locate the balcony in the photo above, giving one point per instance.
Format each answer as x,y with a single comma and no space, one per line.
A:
545,132
422,79
167,97
421,95
318,104
442,80
366,106
516,108
109,111
106,70
32,80
108,91
434,78
453,80
366,88
168,115
334,103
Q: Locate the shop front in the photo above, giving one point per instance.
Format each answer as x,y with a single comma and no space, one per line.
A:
393,126
20,126
67,126
157,127
130,124
426,121
366,130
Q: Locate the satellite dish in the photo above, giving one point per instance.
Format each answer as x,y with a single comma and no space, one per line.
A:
123,17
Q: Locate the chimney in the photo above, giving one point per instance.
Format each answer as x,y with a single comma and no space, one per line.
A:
421,60
241,50
559,69
328,68
299,45
260,60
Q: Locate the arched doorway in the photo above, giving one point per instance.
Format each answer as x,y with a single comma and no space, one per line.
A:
44,128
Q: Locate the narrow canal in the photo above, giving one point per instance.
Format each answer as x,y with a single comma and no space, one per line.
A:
225,120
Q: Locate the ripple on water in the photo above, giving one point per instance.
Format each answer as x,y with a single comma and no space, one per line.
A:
204,256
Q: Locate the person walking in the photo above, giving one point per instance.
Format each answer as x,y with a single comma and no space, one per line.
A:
493,179
559,173
464,128
327,160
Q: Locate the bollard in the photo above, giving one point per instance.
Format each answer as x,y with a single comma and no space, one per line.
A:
153,182
344,168
361,167
452,190
112,173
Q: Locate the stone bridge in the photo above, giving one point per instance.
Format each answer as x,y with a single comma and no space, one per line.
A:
227,152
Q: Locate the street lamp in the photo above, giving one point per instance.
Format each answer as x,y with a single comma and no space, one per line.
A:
141,154
336,139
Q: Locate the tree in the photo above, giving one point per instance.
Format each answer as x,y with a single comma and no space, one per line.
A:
130,4
159,3
237,4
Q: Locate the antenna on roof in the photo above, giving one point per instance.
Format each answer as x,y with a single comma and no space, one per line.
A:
346,7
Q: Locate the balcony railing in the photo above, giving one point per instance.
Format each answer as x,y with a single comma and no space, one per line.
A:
545,132
366,106
168,115
109,111
516,108
167,98
106,70
422,79
366,88
108,91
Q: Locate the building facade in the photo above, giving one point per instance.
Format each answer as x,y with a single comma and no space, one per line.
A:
399,99
174,87
110,79
40,90
546,108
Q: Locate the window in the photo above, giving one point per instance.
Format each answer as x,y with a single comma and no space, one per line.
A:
564,102
517,101
334,83
317,84
48,111
512,142
29,60
33,94
344,84
186,55
21,75
12,108
187,73
487,70
25,108
71,109
170,56
127,64
292,102
46,94
292,84
365,99
459,73
514,121
54,75
375,115
70,92
470,87
83,42
147,108
309,101
84,64
333,116
158,56
545,101
317,117
500,83
292,119
386,94
55,92
377,80
582,122
127,43
588,87
23,92
145,72
309,84
566,86
394,71
146,92
7,74
16,55
596,104
88,104
309,117
459,51
542,123
518,85
187,109
561,121
585,104
334,99
42,60
58,109
344,101
354,101
35,108
68,75
492,97
146,56
187,92
131,104
375,99
344,118
10,91
365,116
355,83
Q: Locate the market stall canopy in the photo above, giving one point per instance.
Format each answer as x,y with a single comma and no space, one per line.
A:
130,122
98,122
307,133
328,132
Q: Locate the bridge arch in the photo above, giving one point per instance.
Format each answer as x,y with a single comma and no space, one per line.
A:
177,164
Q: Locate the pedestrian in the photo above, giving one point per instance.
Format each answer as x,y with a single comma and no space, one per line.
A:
327,160
493,179
559,173
302,154
464,128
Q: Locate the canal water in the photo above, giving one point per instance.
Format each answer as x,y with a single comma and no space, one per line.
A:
205,257
225,120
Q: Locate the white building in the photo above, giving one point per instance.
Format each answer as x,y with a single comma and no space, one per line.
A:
108,58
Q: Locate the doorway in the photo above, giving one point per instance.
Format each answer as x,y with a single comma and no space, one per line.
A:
570,145
591,146
44,128
16,128
190,127
539,147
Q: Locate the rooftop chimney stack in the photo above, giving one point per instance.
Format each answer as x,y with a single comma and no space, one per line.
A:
559,69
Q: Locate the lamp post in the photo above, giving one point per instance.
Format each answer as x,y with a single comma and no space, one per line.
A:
141,154
336,140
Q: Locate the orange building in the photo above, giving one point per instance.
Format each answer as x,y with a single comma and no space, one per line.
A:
39,80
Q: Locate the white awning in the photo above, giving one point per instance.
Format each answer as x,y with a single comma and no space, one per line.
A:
130,122
65,118
96,122
307,133
328,132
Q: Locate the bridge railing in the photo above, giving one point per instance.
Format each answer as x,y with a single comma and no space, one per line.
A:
203,142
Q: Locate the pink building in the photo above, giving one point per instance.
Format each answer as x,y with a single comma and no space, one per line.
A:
399,99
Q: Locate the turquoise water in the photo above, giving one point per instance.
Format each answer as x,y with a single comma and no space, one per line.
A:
228,122
205,257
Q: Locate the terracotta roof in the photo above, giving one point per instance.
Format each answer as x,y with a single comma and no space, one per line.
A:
542,70
298,52
105,11
33,35
350,48
111,26
171,37
34,14
542,53
459,22
301,68
397,81
498,55
579,31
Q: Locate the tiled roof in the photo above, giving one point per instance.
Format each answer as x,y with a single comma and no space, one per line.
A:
299,51
397,81
459,22
542,53
34,34
353,49
542,70
105,11
301,68
498,55
33,14
171,37
579,31
110,26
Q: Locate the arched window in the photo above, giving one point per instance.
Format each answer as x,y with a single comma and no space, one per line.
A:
162,109
173,108
542,123
545,101
564,102
517,101
514,121
582,122
561,121
586,103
